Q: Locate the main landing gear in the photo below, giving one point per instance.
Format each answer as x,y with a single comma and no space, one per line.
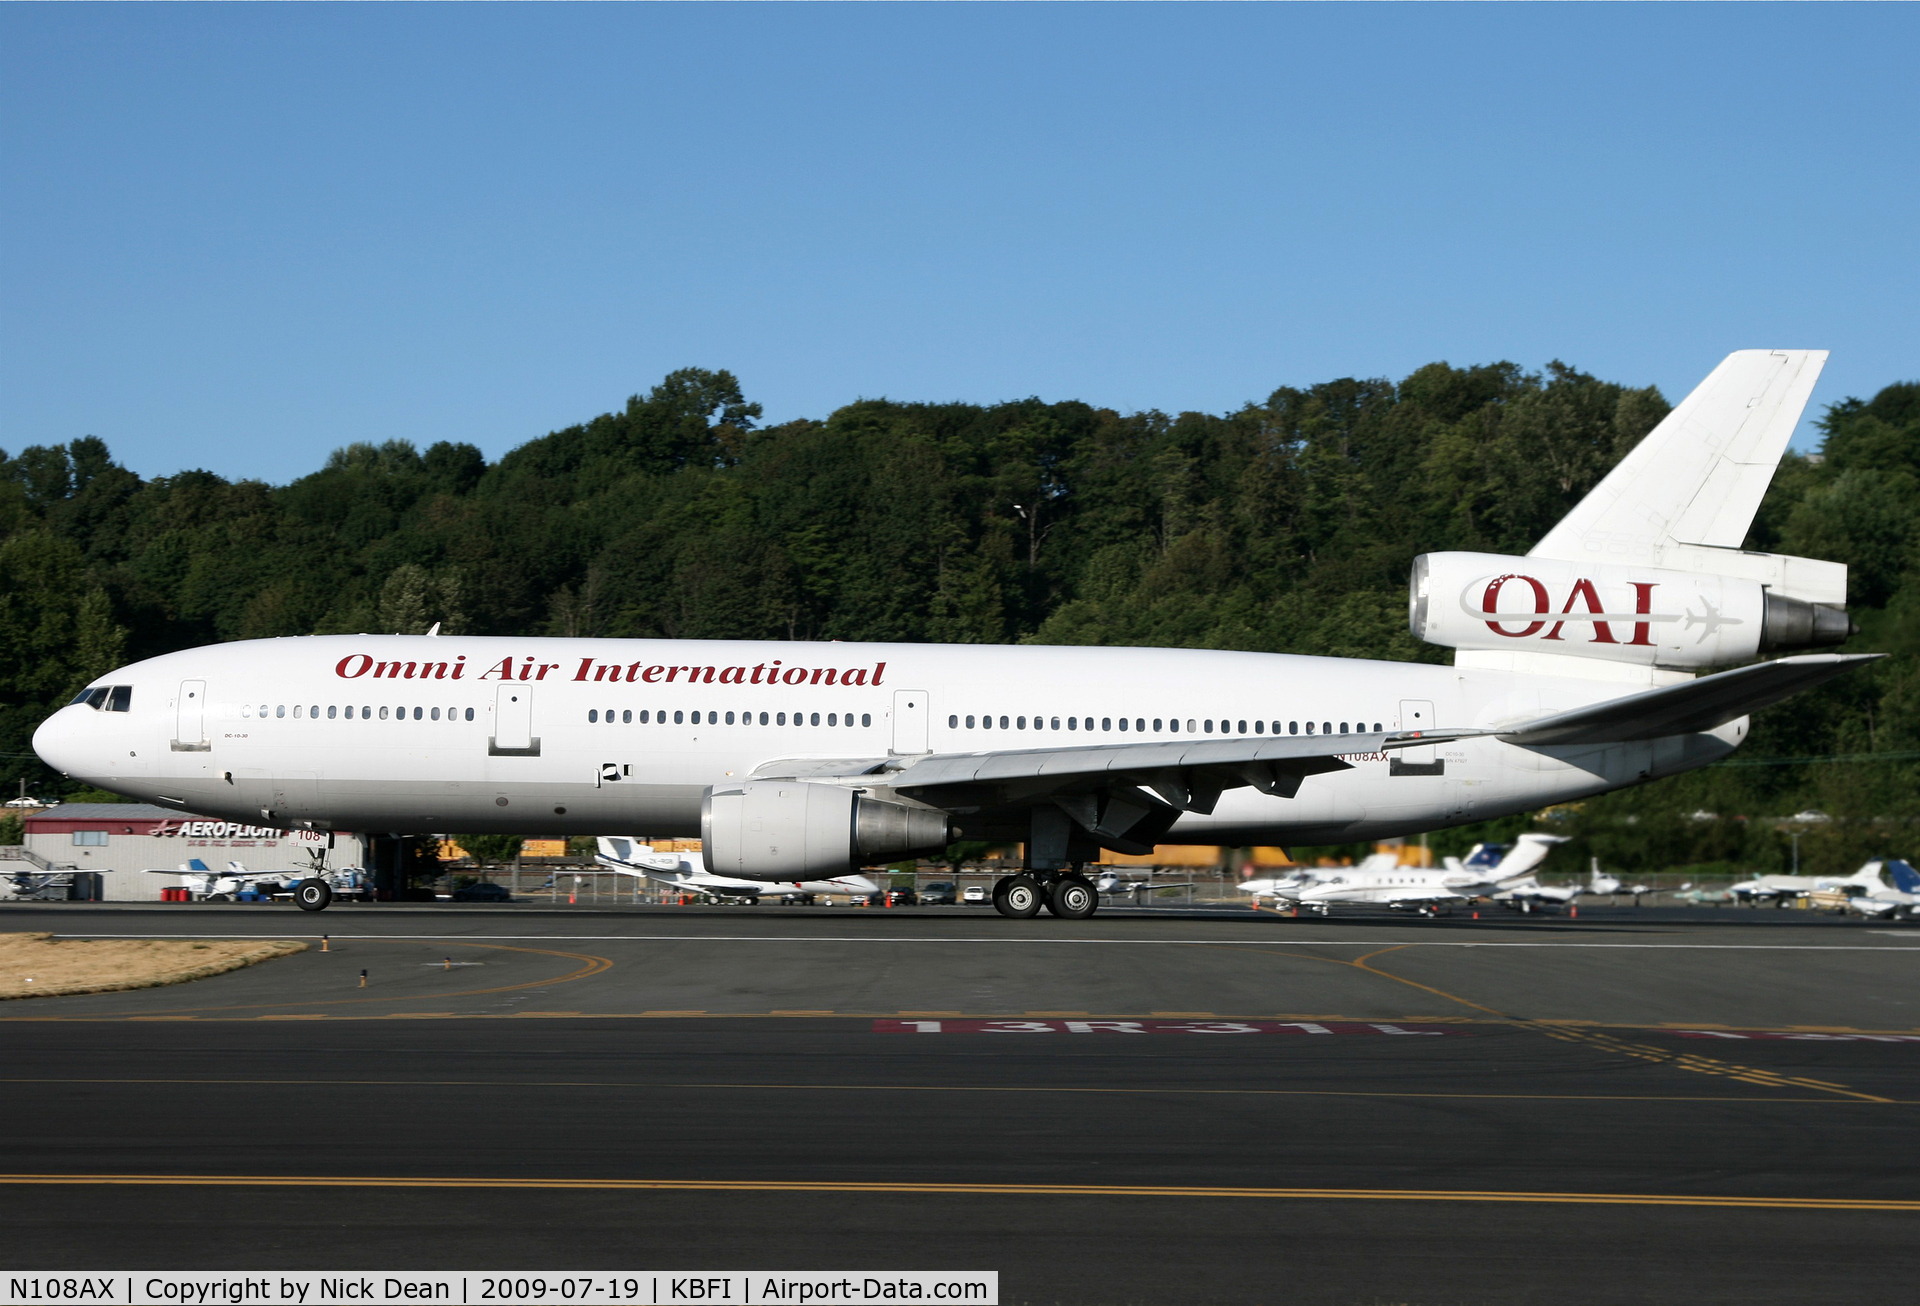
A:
1068,895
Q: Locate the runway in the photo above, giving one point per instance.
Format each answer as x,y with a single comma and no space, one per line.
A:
1634,1106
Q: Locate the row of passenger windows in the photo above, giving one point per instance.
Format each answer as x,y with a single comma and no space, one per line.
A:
1160,725
646,717
1136,725
366,713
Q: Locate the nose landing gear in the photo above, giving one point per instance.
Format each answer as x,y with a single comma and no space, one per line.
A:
312,895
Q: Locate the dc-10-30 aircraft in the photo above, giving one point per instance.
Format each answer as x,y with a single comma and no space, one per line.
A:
1576,672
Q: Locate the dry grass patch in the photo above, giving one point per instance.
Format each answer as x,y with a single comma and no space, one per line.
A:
39,966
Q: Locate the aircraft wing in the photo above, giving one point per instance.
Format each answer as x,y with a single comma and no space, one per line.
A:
1687,708
1127,795
1124,795
1188,774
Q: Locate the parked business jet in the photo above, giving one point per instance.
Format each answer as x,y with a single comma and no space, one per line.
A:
1575,674
1380,878
677,872
1900,898
1495,864
209,885
1783,889
1528,894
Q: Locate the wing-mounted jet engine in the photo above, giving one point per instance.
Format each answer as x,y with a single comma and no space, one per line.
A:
800,830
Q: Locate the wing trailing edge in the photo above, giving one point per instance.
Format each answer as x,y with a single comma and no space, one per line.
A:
1688,708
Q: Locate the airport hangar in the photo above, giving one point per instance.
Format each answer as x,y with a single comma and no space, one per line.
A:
121,842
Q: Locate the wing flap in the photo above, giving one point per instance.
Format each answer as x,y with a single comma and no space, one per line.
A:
1188,775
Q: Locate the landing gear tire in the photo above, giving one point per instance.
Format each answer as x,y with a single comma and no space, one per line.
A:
312,895
1017,897
1072,898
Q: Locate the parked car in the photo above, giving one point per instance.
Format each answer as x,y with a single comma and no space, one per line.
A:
941,893
885,898
482,893
976,893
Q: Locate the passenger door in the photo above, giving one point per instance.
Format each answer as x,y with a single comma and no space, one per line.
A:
190,718
910,721
513,722
1416,714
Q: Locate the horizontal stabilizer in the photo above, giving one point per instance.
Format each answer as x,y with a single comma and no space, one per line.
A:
1688,708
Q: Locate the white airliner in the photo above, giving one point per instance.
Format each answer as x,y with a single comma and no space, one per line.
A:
676,871
1575,674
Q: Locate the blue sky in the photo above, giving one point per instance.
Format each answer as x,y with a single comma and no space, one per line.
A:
239,236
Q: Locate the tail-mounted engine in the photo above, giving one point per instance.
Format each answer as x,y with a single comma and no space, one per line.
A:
793,830
1648,615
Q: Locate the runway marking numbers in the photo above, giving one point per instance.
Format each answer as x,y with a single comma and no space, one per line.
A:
1148,1027
1810,1038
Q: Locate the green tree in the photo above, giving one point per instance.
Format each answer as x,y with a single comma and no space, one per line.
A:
491,849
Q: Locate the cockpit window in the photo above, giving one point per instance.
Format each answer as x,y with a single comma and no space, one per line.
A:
106,698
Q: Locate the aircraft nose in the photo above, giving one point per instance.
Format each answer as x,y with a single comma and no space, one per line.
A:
53,741
65,743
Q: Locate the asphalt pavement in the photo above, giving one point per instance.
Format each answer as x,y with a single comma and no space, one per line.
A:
1680,1105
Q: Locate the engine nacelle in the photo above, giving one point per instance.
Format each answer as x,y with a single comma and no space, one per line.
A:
792,830
1646,615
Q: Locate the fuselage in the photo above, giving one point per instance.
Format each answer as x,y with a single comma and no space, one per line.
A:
415,734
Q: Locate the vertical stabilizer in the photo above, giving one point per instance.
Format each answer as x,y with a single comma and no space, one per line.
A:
1529,850
1698,477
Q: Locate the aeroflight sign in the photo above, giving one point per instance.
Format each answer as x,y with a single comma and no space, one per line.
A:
356,665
